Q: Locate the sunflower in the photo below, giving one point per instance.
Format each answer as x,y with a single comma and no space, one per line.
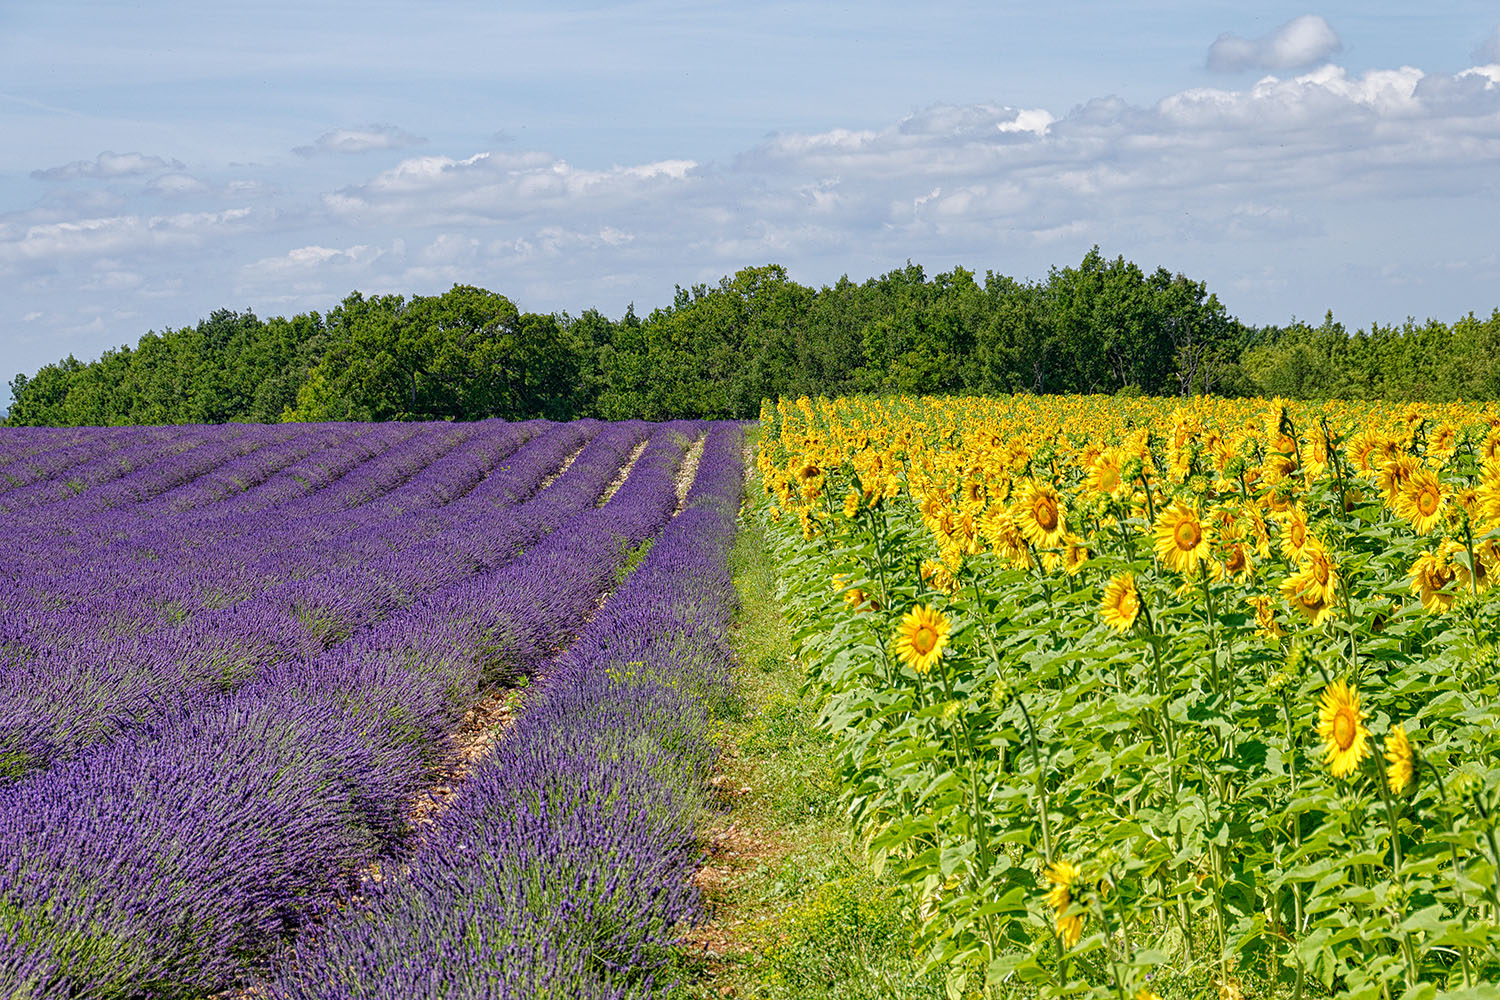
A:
1487,496
921,638
1121,604
1234,560
1281,497
1401,766
1105,476
964,535
1394,475
999,528
1039,515
1182,540
1442,443
1316,582
934,502
1341,725
859,600
1249,518
1319,572
973,494
1422,500
1278,465
1309,605
851,504
1075,554
1313,589
1315,458
1265,616
1294,531
1364,450
1489,450
1430,575
938,576
1486,564
1062,875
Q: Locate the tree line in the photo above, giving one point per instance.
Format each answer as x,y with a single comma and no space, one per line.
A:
1105,326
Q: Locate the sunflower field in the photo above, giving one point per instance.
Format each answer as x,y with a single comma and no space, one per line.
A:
1147,698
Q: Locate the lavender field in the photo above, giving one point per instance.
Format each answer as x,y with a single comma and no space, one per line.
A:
233,662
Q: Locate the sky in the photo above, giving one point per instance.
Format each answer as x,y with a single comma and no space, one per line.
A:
161,160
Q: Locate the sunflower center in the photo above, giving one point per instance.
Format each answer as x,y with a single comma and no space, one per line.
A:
1129,604
1427,503
1108,480
1343,730
1187,535
1046,514
1299,533
924,639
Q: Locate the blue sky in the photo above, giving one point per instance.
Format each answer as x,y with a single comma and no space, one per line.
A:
162,159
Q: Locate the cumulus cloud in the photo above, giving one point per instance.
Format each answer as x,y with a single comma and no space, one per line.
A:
312,275
106,165
114,234
302,260
1300,43
1488,51
360,140
1285,152
1320,163
177,185
489,187
1264,164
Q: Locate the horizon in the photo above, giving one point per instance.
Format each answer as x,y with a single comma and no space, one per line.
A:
171,160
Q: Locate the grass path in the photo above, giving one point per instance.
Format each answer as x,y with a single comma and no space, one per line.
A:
798,910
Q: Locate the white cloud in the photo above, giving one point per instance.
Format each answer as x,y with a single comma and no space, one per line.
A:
1329,164
106,165
1256,166
114,234
304,261
1323,96
1033,120
1301,42
495,186
1285,151
249,189
177,185
450,248
360,140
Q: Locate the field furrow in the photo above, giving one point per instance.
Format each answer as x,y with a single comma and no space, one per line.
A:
204,826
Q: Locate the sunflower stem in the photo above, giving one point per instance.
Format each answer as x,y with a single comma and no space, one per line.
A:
1458,882
1399,877
976,824
1109,944
1286,711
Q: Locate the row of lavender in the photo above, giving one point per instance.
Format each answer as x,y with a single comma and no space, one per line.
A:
106,683
563,871
217,547
172,857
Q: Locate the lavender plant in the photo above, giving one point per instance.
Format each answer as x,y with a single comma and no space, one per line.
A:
186,793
